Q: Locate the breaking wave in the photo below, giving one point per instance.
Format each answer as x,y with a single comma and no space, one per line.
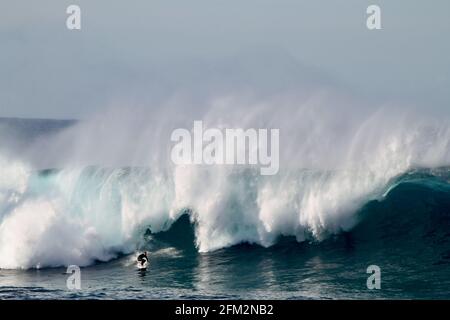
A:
112,180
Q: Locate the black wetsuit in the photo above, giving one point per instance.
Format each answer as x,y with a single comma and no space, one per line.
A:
142,258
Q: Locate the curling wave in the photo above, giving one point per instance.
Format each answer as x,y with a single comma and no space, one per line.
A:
113,182
61,217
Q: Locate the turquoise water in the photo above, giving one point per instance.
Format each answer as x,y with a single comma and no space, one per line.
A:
407,235
405,232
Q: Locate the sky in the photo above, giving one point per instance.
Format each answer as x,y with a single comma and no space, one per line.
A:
138,52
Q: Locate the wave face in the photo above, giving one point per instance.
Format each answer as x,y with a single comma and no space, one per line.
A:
112,179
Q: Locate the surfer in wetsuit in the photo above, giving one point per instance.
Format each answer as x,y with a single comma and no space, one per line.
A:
142,258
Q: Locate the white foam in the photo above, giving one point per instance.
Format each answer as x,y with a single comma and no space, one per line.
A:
333,159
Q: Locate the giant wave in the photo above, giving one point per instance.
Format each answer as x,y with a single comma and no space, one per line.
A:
89,191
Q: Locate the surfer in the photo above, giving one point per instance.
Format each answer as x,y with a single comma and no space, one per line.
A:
142,258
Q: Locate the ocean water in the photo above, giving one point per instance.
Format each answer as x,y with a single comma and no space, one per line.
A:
406,235
220,233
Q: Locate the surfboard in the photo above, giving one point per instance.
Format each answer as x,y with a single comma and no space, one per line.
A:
142,266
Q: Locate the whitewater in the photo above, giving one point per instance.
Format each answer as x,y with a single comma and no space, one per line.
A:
87,191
